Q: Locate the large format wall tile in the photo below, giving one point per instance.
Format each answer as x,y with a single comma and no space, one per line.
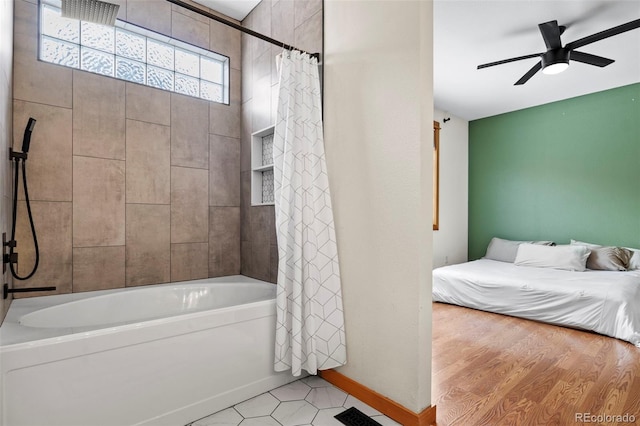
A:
98,116
148,163
247,69
298,23
52,221
148,250
189,132
49,165
235,89
245,205
224,120
148,104
275,75
98,268
261,103
189,205
190,30
309,34
245,143
224,244
306,9
194,15
226,41
282,20
189,261
261,261
98,202
262,66
36,81
207,139
245,258
224,171
260,21
263,224
275,89
154,15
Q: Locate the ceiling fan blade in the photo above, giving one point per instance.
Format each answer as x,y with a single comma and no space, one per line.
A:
587,58
537,67
506,61
551,34
603,34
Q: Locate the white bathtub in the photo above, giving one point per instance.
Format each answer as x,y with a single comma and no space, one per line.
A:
161,355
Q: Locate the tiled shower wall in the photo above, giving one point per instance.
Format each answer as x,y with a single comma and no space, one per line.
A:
297,23
6,61
130,185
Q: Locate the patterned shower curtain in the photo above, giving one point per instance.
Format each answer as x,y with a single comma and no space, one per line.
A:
310,323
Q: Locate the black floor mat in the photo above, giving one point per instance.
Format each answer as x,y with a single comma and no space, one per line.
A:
354,417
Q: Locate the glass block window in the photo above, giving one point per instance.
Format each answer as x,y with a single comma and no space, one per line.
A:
132,53
267,150
267,186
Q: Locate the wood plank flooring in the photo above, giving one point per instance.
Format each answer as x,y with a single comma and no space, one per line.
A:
491,369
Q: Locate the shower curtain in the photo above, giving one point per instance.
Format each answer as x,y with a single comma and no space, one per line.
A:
310,323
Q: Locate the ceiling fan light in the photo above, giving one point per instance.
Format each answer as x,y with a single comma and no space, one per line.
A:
556,68
555,61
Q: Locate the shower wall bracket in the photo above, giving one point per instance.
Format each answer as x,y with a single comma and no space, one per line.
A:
6,290
16,155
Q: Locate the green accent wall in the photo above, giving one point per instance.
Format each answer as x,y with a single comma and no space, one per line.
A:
569,169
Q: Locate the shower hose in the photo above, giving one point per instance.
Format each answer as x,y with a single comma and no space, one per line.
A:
13,227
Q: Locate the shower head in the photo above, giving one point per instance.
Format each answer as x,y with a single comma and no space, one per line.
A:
26,141
96,11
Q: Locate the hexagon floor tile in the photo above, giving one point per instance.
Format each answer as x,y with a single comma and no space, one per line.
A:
292,392
309,401
261,405
293,413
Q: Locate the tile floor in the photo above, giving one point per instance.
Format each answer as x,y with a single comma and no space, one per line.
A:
305,402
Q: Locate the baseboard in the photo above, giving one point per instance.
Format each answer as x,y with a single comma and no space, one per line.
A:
386,406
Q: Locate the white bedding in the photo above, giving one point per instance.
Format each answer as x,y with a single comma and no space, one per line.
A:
606,302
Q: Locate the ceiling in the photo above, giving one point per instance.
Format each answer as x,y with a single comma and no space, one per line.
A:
469,33
236,9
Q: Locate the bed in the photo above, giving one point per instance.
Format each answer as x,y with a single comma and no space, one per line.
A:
606,302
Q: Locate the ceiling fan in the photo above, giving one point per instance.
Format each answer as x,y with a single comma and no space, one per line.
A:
556,58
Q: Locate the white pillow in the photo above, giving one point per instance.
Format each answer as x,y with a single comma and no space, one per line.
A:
582,243
566,257
634,262
505,250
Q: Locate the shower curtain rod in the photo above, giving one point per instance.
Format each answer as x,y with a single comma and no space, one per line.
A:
239,27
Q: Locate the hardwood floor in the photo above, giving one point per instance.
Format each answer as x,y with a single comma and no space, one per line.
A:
491,369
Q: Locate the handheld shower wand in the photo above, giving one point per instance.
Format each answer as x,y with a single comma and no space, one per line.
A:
26,141
12,257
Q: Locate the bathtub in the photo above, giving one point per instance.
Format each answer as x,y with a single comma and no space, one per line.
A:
161,355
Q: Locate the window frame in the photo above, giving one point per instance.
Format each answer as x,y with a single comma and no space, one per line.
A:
176,45
436,175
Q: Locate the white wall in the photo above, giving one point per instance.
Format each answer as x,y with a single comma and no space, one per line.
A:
6,65
378,106
450,242
6,81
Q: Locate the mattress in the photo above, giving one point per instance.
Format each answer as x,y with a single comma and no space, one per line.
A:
605,302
